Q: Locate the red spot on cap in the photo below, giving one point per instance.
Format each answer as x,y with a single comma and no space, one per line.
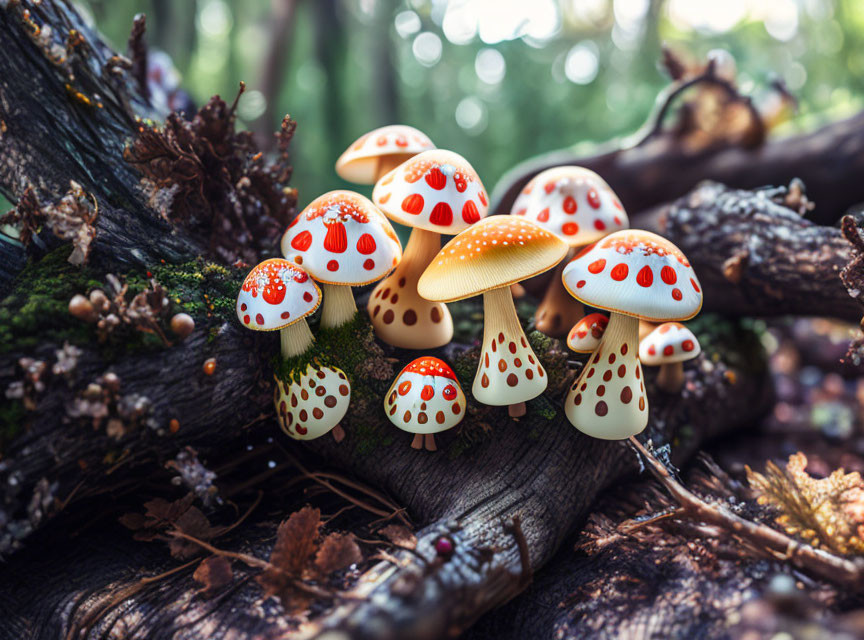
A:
580,284
301,277
688,345
645,277
413,204
405,387
366,244
652,350
301,241
569,205
285,315
259,319
449,392
597,266
243,307
570,228
470,214
599,225
307,296
667,274
441,214
246,319
668,350
695,286
482,195
549,187
593,198
436,179
369,264
676,294
427,392
333,265
619,272
543,216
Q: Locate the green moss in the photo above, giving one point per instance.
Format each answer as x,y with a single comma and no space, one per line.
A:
37,310
370,437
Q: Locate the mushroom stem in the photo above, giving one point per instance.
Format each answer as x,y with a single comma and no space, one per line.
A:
400,316
608,399
517,410
296,339
509,372
670,378
339,307
417,442
338,433
429,440
558,311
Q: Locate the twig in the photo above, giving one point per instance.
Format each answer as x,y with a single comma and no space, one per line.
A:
514,528
826,566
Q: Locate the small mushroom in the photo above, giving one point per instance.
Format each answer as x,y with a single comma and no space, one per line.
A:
425,399
585,335
277,295
377,152
579,207
82,308
343,241
182,325
435,192
313,403
633,274
487,258
669,346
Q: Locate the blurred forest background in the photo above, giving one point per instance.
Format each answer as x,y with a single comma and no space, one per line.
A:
496,80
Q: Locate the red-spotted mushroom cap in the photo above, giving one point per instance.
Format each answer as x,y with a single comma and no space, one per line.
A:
574,203
425,397
341,238
496,252
585,335
435,190
395,143
312,402
670,342
637,273
275,294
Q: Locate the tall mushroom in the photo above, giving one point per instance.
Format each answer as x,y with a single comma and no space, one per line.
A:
633,274
487,258
434,192
277,295
343,241
425,399
585,335
668,347
577,205
377,152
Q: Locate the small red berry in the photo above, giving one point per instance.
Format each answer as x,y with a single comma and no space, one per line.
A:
444,546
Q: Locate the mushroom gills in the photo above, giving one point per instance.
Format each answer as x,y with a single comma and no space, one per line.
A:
608,399
509,372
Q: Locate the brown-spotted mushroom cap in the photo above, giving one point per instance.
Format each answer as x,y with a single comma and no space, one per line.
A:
313,402
670,342
636,273
395,143
435,190
496,252
275,294
341,238
425,397
585,335
574,203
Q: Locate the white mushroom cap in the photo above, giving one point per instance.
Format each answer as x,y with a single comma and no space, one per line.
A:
275,294
360,162
572,202
425,397
637,273
435,190
670,342
585,335
341,238
313,402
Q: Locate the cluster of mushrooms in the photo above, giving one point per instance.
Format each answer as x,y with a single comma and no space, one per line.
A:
343,240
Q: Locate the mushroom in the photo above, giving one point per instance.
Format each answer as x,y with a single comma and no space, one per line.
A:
435,192
343,241
585,335
577,205
278,295
425,399
669,346
487,258
377,152
313,403
633,274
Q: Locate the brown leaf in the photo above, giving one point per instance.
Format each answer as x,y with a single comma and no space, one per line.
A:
213,574
338,551
400,535
296,541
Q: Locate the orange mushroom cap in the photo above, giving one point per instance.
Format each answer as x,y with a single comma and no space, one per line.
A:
359,163
495,252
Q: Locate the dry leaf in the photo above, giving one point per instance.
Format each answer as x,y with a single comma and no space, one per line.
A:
400,535
338,551
296,541
213,573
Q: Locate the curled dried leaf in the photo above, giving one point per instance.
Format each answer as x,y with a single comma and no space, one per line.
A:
338,551
400,535
213,573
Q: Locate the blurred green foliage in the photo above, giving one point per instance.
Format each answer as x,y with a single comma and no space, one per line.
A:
495,80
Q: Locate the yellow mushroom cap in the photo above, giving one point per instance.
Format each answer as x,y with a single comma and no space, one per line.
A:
494,252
